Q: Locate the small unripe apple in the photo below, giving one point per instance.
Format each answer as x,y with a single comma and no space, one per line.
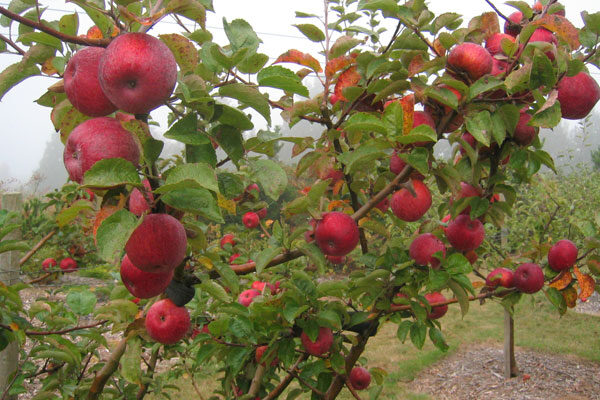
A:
464,233
247,296
321,345
166,323
471,59
143,284
528,278
137,72
562,255
409,208
424,247
68,264
227,238
250,220
48,263
336,234
437,311
500,277
360,378
577,95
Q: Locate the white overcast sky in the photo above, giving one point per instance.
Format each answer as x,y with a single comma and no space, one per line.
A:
26,127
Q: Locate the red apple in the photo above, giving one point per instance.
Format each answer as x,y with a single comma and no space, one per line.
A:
260,286
260,351
437,311
471,59
48,263
464,233
336,234
562,255
247,296
143,284
82,86
158,244
528,278
409,208
227,238
511,29
498,68
250,220
384,204
424,247
262,213
524,134
577,95
137,200
494,43
544,35
233,257
439,111
360,378
166,323
423,118
95,140
68,264
137,72
538,7
500,277
333,98
321,345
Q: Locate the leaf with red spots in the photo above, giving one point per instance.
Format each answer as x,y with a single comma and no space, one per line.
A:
561,27
570,296
562,280
408,112
349,77
298,57
586,284
184,51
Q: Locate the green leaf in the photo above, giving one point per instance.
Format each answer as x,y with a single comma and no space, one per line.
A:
82,303
549,115
131,368
484,84
437,338
14,74
443,96
498,127
231,141
418,334
403,329
332,288
342,45
69,24
191,9
234,117
186,131
230,185
215,290
103,22
241,35
271,176
110,173
197,201
422,133
183,49
461,295
200,173
265,256
204,153
41,38
241,328
458,264
510,114
282,78
13,245
152,149
390,7
248,96
313,33
67,215
437,279
363,156
418,159
480,127
542,72
113,233
365,122
557,299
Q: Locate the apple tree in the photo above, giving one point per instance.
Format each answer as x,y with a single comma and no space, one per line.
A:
219,279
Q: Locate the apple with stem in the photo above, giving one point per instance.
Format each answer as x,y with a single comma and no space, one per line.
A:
360,378
411,207
336,234
166,323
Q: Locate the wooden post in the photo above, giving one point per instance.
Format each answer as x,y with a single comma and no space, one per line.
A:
510,364
9,275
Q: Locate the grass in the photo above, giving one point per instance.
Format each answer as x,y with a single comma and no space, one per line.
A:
537,326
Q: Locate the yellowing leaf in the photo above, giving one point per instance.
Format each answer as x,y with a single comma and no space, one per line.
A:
586,284
570,296
408,112
561,27
48,68
349,77
337,204
478,284
226,204
562,280
205,262
338,64
298,57
14,326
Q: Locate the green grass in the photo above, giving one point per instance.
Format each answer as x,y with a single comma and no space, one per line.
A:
537,326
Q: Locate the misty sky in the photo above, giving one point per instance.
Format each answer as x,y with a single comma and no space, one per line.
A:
27,127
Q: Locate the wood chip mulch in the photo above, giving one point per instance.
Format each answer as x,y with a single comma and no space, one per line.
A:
476,373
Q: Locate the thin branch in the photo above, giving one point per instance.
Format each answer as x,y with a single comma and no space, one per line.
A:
480,296
53,32
499,13
37,246
305,383
107,370
151,367
256,380
12,44
394,36
80,377
351,389
60,332
223,161
286,380
39,278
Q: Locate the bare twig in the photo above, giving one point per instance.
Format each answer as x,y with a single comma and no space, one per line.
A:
37,247
12,44
286,380
107,370
151,367
499,13
60,332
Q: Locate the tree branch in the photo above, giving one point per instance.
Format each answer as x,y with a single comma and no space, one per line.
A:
12,44
351,389
499,13
37,246
60,332
53,32
151,366
286,380
107,370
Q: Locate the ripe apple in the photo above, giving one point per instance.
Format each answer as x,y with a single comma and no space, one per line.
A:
471,59
544,35
247,296
424,247
143,284
48,263
500,276
158,244
577,95
95,140
466,190
262,213
498,68
260,351
528,278
137,72
227,238
423,118
360,378
321,345
562,255
524,134
494,43
336,234
511,29
260,286
82,86
464,233
250,220
383,205
437,311
166,323
68,264
137,200
409,208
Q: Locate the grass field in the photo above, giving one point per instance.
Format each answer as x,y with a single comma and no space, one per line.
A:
537,326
